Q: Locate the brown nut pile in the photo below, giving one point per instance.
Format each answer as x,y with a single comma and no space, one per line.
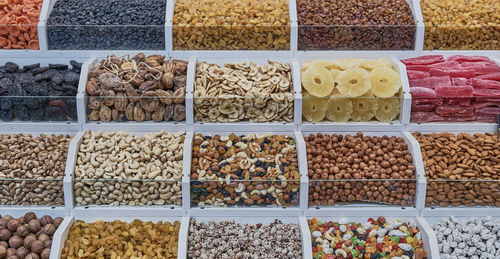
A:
244,170
231,25
461,24
355,24
36,166
27,237
243,92
120,239
456,164
357,168
137,89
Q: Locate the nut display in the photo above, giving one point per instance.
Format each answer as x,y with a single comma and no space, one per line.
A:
468,237
244,170
119,239
32,169
19,24
358,168
18,240
137,89
107,24
461,169
39,93
355,25
456,89
350,89
231,25
461,24
228,239
243,92
379,238
115,168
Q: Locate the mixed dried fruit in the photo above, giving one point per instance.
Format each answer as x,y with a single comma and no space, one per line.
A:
137,89
243,92
119,239
231,25
39,93
458,88
19,24
350,89
379,238
244,170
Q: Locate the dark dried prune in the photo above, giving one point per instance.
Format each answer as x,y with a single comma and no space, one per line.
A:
71,78
77,66
11,67
59,66
70,109
37,114
57,79
21,112
39,70
55,114
8,116
32,66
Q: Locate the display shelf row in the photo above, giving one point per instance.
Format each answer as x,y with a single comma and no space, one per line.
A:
292,27
189,104
176,175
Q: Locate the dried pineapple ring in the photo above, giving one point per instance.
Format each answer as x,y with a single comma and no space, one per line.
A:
353,82
374,63
318,63
385,82
318,81
347,63
339,109
388,109
364,107
313,108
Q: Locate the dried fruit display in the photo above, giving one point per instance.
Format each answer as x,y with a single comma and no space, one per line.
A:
456,89
461,24
461,169
126,169
379,238
355,25
107,24
231,25
119,239
137,89
32,169
243,92
358,168
39,93
244,170
19,24
27,237
350,89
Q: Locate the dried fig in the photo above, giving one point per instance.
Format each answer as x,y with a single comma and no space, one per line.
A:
109,81
94,103
116,115
149,101
139,114
179,95
128,65
92,87
147,116
94,115
121,102
108,97
139,57
148,86
168,66
169,112
179,112
105,113
96,72
133,78
154,60
158,114
179,82
132,93
129,112
167,80
164,96
180,66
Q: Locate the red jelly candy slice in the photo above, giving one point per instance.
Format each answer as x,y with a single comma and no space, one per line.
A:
483,70
422,92
462,58
453,109
423,60
459,119
488,111
419,117
423,68
447,64
412,74
466,73
486,92
460,81
485,84
421,100
480,105
487,118
475,64
454,91
492,76
458,101
430,82
423,108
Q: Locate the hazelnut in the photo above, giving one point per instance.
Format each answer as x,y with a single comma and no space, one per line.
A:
14,224
57,221
7,217
3,252
3,223
15,241
22,252
32,256
23,230
43,237
29,217
37,246
45,253
49,229
34,225
5,234
46,220
11,251
47,243
4,244
29,240
381,220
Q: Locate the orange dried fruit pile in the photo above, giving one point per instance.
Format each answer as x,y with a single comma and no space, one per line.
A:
19,24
